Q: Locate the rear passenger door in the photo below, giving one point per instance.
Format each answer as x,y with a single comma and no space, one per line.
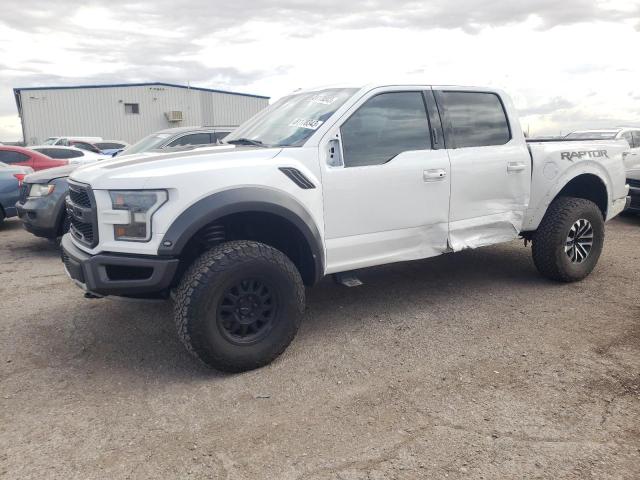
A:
490,169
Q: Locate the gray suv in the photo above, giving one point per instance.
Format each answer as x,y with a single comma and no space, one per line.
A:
181,138
42,206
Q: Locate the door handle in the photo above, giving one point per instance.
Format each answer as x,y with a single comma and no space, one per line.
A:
515,167
434,175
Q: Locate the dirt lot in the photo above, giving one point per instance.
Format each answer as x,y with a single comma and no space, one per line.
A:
464,366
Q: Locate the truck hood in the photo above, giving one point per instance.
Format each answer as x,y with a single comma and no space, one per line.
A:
155,171
45,176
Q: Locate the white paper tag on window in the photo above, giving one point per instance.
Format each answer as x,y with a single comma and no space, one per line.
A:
323,99
308,124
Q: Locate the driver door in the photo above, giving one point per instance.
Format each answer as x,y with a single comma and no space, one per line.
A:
385,178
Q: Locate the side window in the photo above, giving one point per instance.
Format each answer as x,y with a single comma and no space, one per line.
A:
385,126
192,139
9,157
629,138
84,146
61,153
73,154
474,119
131,108
636,139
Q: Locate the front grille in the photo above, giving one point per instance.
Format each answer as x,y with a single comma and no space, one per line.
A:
79,196
24,192
81,210
633,182
82,231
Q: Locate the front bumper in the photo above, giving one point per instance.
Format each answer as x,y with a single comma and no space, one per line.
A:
40,217
117,274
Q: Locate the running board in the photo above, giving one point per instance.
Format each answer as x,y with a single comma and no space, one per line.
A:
348,279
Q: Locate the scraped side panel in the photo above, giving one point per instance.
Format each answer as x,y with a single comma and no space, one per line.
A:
482,231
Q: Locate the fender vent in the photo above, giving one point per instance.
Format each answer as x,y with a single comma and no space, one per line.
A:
297,177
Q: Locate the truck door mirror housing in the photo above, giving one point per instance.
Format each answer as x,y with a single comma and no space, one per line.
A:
334,153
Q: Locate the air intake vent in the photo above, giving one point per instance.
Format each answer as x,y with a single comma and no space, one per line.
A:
297,177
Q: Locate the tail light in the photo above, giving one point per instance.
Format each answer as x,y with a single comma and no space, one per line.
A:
20,177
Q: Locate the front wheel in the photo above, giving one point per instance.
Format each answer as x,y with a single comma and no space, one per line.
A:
569,240
239,305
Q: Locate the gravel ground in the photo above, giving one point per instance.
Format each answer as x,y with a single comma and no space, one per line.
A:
464,366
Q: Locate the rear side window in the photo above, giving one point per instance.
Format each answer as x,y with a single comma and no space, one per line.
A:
192,139
636,139
474,119
384,127
9,157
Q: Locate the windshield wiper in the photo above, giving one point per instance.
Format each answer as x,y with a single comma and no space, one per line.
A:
246,141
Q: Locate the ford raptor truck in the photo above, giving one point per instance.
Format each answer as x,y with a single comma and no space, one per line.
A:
325,182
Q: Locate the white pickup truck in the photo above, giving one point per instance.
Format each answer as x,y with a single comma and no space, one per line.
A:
329,181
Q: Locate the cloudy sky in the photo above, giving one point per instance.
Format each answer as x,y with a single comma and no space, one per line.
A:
567,64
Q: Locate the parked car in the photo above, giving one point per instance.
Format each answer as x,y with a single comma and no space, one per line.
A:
328,182
633,180
28,158
73,155
11,177
64,141
175,139
630,134
41,205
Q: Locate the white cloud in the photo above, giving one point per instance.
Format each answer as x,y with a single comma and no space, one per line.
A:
565,64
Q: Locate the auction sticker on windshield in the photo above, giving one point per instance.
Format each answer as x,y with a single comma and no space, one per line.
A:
323,99
308,124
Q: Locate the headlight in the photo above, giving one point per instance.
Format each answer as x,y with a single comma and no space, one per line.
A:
40,190
141,205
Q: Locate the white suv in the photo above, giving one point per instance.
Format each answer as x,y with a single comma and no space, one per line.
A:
329,181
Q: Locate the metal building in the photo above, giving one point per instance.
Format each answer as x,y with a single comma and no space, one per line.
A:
127,111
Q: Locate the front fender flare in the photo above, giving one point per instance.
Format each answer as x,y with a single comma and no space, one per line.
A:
239,200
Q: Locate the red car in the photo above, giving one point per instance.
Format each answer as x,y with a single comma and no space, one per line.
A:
28,158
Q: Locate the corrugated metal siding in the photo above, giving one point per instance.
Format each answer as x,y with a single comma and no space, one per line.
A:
100,112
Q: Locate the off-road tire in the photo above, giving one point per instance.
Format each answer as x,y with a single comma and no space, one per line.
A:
550,239
202,290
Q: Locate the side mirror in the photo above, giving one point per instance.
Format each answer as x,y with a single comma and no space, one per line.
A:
334,153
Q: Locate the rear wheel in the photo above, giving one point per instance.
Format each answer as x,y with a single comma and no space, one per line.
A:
569,240
239,305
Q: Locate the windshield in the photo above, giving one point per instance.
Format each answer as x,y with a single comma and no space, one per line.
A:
147,143
292,120
50,141
592,135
